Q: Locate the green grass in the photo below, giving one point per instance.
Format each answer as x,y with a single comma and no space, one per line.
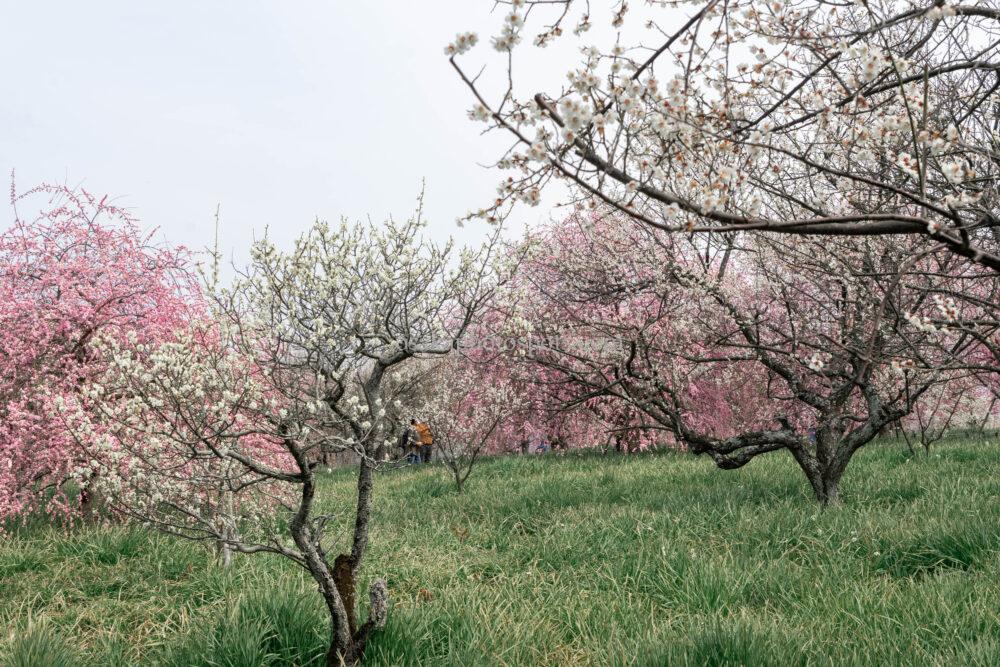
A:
579,560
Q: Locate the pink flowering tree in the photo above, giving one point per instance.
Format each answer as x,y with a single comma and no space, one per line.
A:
498,350
73,269
961,402
780,344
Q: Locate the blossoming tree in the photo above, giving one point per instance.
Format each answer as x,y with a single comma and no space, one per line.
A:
728,119
294,367
468,407
864,118
76,271
160,431
779,345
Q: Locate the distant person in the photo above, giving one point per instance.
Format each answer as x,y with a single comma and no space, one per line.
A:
425,441
404,445
524,446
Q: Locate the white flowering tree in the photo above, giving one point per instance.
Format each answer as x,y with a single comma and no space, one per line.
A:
467,407
857,118
176,435
293,367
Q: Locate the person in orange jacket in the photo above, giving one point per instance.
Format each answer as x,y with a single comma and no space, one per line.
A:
425,440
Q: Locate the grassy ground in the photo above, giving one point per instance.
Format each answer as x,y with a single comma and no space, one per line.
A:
644,560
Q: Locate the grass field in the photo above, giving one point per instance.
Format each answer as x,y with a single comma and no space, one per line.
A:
579,560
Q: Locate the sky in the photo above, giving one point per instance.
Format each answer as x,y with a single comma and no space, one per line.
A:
277,112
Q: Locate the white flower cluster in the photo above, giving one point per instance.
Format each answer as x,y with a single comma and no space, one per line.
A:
510,34
920,322
871,61
584,81
576,115
938,13
902,367
480,113
908,164
463,42
629,94
538,151
531,196
954,171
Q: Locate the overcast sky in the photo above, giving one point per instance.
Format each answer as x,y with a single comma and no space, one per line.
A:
278,111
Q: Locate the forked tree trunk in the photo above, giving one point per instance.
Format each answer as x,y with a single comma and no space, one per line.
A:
346,650
828,493
339,583
825,476
824,469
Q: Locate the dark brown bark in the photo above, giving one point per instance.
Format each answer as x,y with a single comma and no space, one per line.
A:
343,576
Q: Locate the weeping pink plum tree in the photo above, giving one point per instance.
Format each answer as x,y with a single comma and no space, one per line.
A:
73,268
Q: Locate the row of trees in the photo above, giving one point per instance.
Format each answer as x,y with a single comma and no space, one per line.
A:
204,411
774,344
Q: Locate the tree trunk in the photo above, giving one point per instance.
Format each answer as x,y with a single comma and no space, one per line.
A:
828,490
343,577
823,475
829,496
341,651
352,651
224,554
320,570
90,504
223,550
347,648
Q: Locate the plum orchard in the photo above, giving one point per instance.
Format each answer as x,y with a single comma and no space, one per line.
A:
779,344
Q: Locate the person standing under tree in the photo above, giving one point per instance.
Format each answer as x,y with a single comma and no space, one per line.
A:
405,444
425,440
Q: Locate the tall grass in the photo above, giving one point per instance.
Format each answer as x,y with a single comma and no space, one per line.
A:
578,560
